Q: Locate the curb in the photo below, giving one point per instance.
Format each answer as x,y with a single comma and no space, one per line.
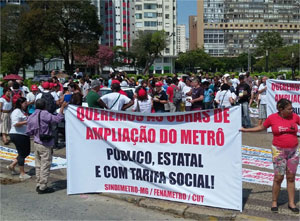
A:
182,209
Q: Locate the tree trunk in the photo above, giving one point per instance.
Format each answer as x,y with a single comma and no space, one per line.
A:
24,73
44,66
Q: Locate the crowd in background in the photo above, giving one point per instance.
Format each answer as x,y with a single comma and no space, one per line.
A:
188,92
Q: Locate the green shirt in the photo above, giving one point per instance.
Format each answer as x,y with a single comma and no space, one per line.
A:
92,99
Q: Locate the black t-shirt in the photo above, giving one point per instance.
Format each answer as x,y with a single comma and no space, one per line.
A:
243,92
196,93
161,96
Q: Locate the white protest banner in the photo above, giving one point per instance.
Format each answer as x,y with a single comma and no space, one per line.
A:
191,157
278,89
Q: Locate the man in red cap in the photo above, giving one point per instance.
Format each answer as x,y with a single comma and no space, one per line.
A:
120,91
31,98
160,98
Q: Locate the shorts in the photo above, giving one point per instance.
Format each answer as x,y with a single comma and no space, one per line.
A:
285,159
262,111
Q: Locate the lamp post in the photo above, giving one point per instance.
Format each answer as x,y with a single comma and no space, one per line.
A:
293,67
249,55
267,60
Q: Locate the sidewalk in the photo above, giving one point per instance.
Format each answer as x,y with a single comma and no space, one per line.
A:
256,198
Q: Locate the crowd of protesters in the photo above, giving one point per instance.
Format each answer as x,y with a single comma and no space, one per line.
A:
189,92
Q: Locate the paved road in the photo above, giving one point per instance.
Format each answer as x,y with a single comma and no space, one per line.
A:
20,202
256,198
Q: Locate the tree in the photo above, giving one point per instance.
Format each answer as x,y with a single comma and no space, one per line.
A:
195,58
15,53
147,47
103,57
68,25
268,41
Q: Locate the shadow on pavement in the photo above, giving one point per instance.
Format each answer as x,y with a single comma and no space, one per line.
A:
59,185
246,194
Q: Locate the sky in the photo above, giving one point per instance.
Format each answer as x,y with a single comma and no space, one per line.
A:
185,8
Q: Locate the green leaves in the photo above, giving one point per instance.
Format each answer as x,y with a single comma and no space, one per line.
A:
147,47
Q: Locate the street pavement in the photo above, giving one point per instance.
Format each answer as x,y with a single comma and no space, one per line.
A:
256,197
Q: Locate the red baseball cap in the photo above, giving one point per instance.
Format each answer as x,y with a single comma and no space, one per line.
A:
115,82
51,85
46,85
158,84
34,88
142,93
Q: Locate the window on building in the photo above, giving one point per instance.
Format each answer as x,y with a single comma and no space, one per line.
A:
138,16
150,6
167,16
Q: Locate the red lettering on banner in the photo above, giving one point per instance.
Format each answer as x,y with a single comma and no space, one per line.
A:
221,115
294,98
285,87
207,137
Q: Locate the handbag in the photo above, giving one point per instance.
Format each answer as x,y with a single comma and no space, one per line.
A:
138,109
44,137
223,100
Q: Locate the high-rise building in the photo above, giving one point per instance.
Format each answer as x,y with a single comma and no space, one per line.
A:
181,39
156,15
193,32
115,18
229,27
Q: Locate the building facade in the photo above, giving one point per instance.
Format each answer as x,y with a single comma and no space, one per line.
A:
156,15
193,32
181,39
115,17
229,27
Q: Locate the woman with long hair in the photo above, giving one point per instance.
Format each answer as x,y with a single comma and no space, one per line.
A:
285,150
19,137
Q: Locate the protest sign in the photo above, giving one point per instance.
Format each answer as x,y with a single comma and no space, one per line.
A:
189,157
278,89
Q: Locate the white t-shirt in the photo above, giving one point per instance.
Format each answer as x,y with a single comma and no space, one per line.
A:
226,95
5,105
145,106
17,116
235,82
109,100
263,95
30,97
53,93
186,98
85,89
181,85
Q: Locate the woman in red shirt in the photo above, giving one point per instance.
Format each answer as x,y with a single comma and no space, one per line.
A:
285,150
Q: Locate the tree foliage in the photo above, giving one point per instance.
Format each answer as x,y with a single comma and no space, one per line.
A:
103,57
15,51
67,25
147,47
268,41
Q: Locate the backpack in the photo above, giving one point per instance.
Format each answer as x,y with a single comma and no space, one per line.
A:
177,95
16,96
50,102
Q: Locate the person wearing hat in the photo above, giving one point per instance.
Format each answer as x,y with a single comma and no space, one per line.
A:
93,98
160,98
142,102
115,100
47,89
30,97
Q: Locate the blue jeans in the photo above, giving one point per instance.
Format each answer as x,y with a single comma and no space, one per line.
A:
245,115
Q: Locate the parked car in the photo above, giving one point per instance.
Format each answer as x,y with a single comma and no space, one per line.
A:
38,78
129,91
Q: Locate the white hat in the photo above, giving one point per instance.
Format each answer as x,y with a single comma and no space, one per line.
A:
124,84
226,75
242,73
